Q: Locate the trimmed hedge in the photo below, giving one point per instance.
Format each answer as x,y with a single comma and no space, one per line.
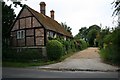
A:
23,55
54,50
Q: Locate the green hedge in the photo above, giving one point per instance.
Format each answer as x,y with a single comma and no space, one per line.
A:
54,50
23,55
111,50
111,54
81,44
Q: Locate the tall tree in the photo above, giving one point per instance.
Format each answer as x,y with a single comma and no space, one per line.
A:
82,34
92,36
8,15
96,27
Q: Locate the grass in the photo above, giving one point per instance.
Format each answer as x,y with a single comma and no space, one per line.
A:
25,64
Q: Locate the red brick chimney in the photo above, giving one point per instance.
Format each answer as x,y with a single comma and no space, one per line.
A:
52,14
42,7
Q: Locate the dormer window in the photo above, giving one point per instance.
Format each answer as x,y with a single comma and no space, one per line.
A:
21,34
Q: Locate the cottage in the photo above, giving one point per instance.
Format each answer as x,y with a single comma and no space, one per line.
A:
32,29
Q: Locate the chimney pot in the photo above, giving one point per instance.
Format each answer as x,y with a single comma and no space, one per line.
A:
42,7
52,14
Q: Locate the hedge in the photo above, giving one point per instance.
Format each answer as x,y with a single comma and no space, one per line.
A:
54,50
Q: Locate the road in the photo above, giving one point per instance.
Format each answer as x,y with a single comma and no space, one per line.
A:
35,73
88,59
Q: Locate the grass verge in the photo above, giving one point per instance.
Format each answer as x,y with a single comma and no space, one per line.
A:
25,64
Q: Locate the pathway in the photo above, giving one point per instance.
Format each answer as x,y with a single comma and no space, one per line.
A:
86,60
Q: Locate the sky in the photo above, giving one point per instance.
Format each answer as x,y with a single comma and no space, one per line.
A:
76,13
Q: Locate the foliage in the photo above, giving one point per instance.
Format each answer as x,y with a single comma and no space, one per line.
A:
107,39
111,54
103,33
112,48
54,50
67,28
23,55
96,27
17,3
22,64
81,44
82,33
92,36
116,6
7,19
116,37
89,34
68,45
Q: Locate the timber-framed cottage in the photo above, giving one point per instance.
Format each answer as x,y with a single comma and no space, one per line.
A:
31,29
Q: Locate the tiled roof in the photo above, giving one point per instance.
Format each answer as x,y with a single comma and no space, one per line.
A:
49,23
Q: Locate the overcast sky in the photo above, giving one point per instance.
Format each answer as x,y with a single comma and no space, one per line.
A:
76,13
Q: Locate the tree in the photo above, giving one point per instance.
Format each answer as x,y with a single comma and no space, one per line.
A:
18,3
67,28
116,6
92,36
7,19
8,15
96,27
102,35
82,34
117,10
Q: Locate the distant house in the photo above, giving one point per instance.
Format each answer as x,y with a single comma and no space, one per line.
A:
31,29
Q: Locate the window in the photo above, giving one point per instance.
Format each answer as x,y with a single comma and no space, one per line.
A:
21,34
51,34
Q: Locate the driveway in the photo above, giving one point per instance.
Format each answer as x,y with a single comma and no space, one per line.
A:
86,60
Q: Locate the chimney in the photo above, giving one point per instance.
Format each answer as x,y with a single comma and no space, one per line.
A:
52,14
42,7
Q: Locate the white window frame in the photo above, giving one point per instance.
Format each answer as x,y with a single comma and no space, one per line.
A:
21,34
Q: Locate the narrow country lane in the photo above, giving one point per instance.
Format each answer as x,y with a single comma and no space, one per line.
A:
86,60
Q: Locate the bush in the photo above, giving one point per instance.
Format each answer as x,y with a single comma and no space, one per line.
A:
68,45
54,50
73,46
111,51
83,44
111,54
24,55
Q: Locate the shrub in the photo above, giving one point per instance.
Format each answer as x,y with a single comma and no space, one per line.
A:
54,50
30,54
68,45
83,44
112,47
73,46
24,55
111,54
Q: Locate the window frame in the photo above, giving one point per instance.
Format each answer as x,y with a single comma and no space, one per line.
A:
21,34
